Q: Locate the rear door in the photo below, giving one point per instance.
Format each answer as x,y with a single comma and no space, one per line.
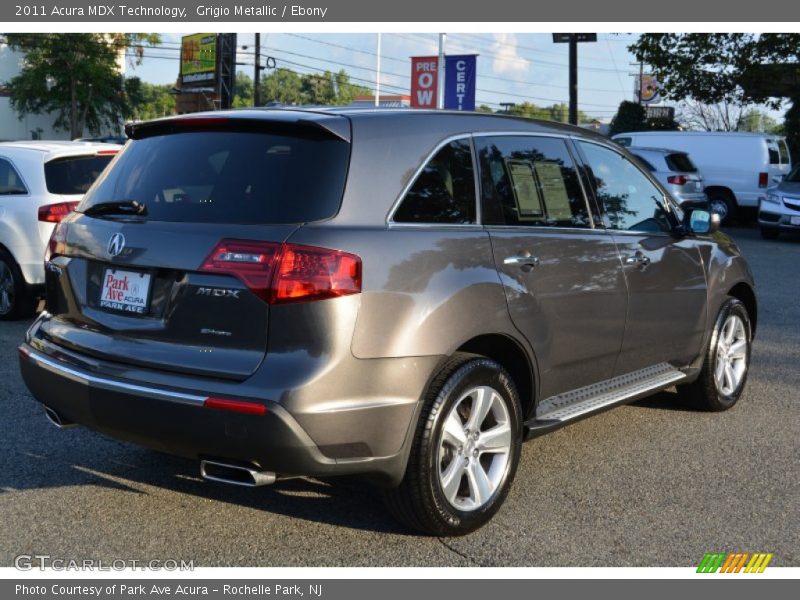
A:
664,273
562,276
182,283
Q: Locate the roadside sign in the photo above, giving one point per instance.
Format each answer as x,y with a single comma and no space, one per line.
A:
424,81
563,38
649,89
459,82
660,112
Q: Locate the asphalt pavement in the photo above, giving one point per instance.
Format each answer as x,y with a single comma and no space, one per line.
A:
650,484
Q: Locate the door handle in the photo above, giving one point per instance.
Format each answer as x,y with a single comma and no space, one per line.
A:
638,259
522,261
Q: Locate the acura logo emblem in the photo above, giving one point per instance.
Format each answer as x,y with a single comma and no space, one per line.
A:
116,244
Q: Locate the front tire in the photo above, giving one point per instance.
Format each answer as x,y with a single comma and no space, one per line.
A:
727,361
15,301
466,450
724,206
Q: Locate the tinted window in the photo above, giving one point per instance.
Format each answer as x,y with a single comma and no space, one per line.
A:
774,153
624,141
784,152
229,177
628,197
10,182
680,162
645,162
74,174
530,181
444,191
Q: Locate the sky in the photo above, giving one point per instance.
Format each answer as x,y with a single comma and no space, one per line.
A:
512,67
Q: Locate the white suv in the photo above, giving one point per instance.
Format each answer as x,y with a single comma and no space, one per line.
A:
40,183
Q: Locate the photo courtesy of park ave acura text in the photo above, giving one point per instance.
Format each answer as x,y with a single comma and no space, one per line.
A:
361,297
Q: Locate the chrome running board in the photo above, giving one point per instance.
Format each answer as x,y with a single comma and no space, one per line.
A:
557,411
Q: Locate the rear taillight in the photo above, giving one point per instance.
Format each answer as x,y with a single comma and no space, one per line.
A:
281,273
763,180
677,179
248,408
58,240
53,213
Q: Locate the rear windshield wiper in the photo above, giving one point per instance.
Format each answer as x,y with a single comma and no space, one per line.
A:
117,207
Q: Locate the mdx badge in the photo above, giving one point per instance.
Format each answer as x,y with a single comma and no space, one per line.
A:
218,292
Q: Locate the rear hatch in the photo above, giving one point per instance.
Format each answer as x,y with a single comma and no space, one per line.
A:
684,176
163,264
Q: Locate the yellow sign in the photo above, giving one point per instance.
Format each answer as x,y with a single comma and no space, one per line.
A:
199,58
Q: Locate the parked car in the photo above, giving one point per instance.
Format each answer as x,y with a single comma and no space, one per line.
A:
676,172
406,295
779,210
737,167
40,183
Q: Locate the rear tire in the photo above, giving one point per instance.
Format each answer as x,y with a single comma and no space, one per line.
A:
727,361
15,300
724,206
465,450
770,233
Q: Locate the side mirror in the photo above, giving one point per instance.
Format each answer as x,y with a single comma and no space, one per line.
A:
703,222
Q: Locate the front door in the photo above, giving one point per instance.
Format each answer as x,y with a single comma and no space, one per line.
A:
664,272
562,275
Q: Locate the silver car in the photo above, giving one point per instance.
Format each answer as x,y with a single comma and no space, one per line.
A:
405,295
779,209
676,172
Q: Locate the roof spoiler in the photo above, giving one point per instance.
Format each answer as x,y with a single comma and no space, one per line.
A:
275,121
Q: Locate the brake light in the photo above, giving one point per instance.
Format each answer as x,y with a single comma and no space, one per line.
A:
763,180
248,408
53,213
106,152
677,179
58,241
281,273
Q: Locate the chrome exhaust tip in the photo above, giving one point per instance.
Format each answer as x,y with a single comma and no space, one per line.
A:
57,419
221,472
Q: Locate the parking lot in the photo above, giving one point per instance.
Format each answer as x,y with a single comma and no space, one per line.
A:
650,484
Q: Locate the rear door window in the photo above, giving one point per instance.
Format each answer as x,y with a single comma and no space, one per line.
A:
10,181
784,152
680,162
774,152
530,181
74,174
444,191
229,177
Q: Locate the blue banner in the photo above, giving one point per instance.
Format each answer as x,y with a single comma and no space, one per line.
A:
459,82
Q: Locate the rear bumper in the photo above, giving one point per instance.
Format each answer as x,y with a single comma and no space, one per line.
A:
177,422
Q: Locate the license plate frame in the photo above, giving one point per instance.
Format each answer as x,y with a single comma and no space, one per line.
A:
121,291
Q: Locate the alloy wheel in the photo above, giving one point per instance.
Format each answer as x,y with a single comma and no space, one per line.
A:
474,448
731,363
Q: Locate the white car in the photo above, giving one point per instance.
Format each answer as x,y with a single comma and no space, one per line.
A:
780,208
40,183
737,167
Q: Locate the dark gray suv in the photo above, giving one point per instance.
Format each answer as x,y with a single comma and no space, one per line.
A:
405,295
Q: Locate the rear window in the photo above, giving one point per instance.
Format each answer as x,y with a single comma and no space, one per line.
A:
784,152
624,141
74,174
679,161
229,177
774,152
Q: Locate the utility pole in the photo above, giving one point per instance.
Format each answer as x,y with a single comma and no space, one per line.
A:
573,39
440,85
641,78
378,75
257,81
573,79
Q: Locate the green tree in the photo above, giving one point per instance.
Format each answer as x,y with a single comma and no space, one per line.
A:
243,90
283,86
711,68
76,76
630,116
757,121
148,100
288,87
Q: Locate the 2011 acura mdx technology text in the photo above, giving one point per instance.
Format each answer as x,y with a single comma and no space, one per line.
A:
406,295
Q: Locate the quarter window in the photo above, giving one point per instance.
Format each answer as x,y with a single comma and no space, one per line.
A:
10,181
528,180
630,201
444,191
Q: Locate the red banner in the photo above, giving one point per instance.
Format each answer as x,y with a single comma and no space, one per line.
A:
424,81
